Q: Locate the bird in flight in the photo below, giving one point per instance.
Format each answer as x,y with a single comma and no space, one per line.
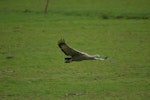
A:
75,55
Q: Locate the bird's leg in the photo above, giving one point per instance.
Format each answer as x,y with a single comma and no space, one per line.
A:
68,60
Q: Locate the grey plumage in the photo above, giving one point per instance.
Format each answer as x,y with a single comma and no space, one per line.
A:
75,55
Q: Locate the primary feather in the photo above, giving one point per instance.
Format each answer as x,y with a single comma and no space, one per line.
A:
68,50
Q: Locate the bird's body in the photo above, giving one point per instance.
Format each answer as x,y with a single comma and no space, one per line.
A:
75,55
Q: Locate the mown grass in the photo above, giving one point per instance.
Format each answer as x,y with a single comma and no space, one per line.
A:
37,69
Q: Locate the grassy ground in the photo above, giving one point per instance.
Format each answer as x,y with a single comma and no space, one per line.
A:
32,66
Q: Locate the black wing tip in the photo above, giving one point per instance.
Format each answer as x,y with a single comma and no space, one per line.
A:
61,42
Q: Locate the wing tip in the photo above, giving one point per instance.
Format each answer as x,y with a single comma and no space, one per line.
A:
61,42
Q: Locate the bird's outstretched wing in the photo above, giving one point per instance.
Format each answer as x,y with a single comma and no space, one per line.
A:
68,50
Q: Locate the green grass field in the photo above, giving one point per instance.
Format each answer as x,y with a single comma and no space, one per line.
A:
32,66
